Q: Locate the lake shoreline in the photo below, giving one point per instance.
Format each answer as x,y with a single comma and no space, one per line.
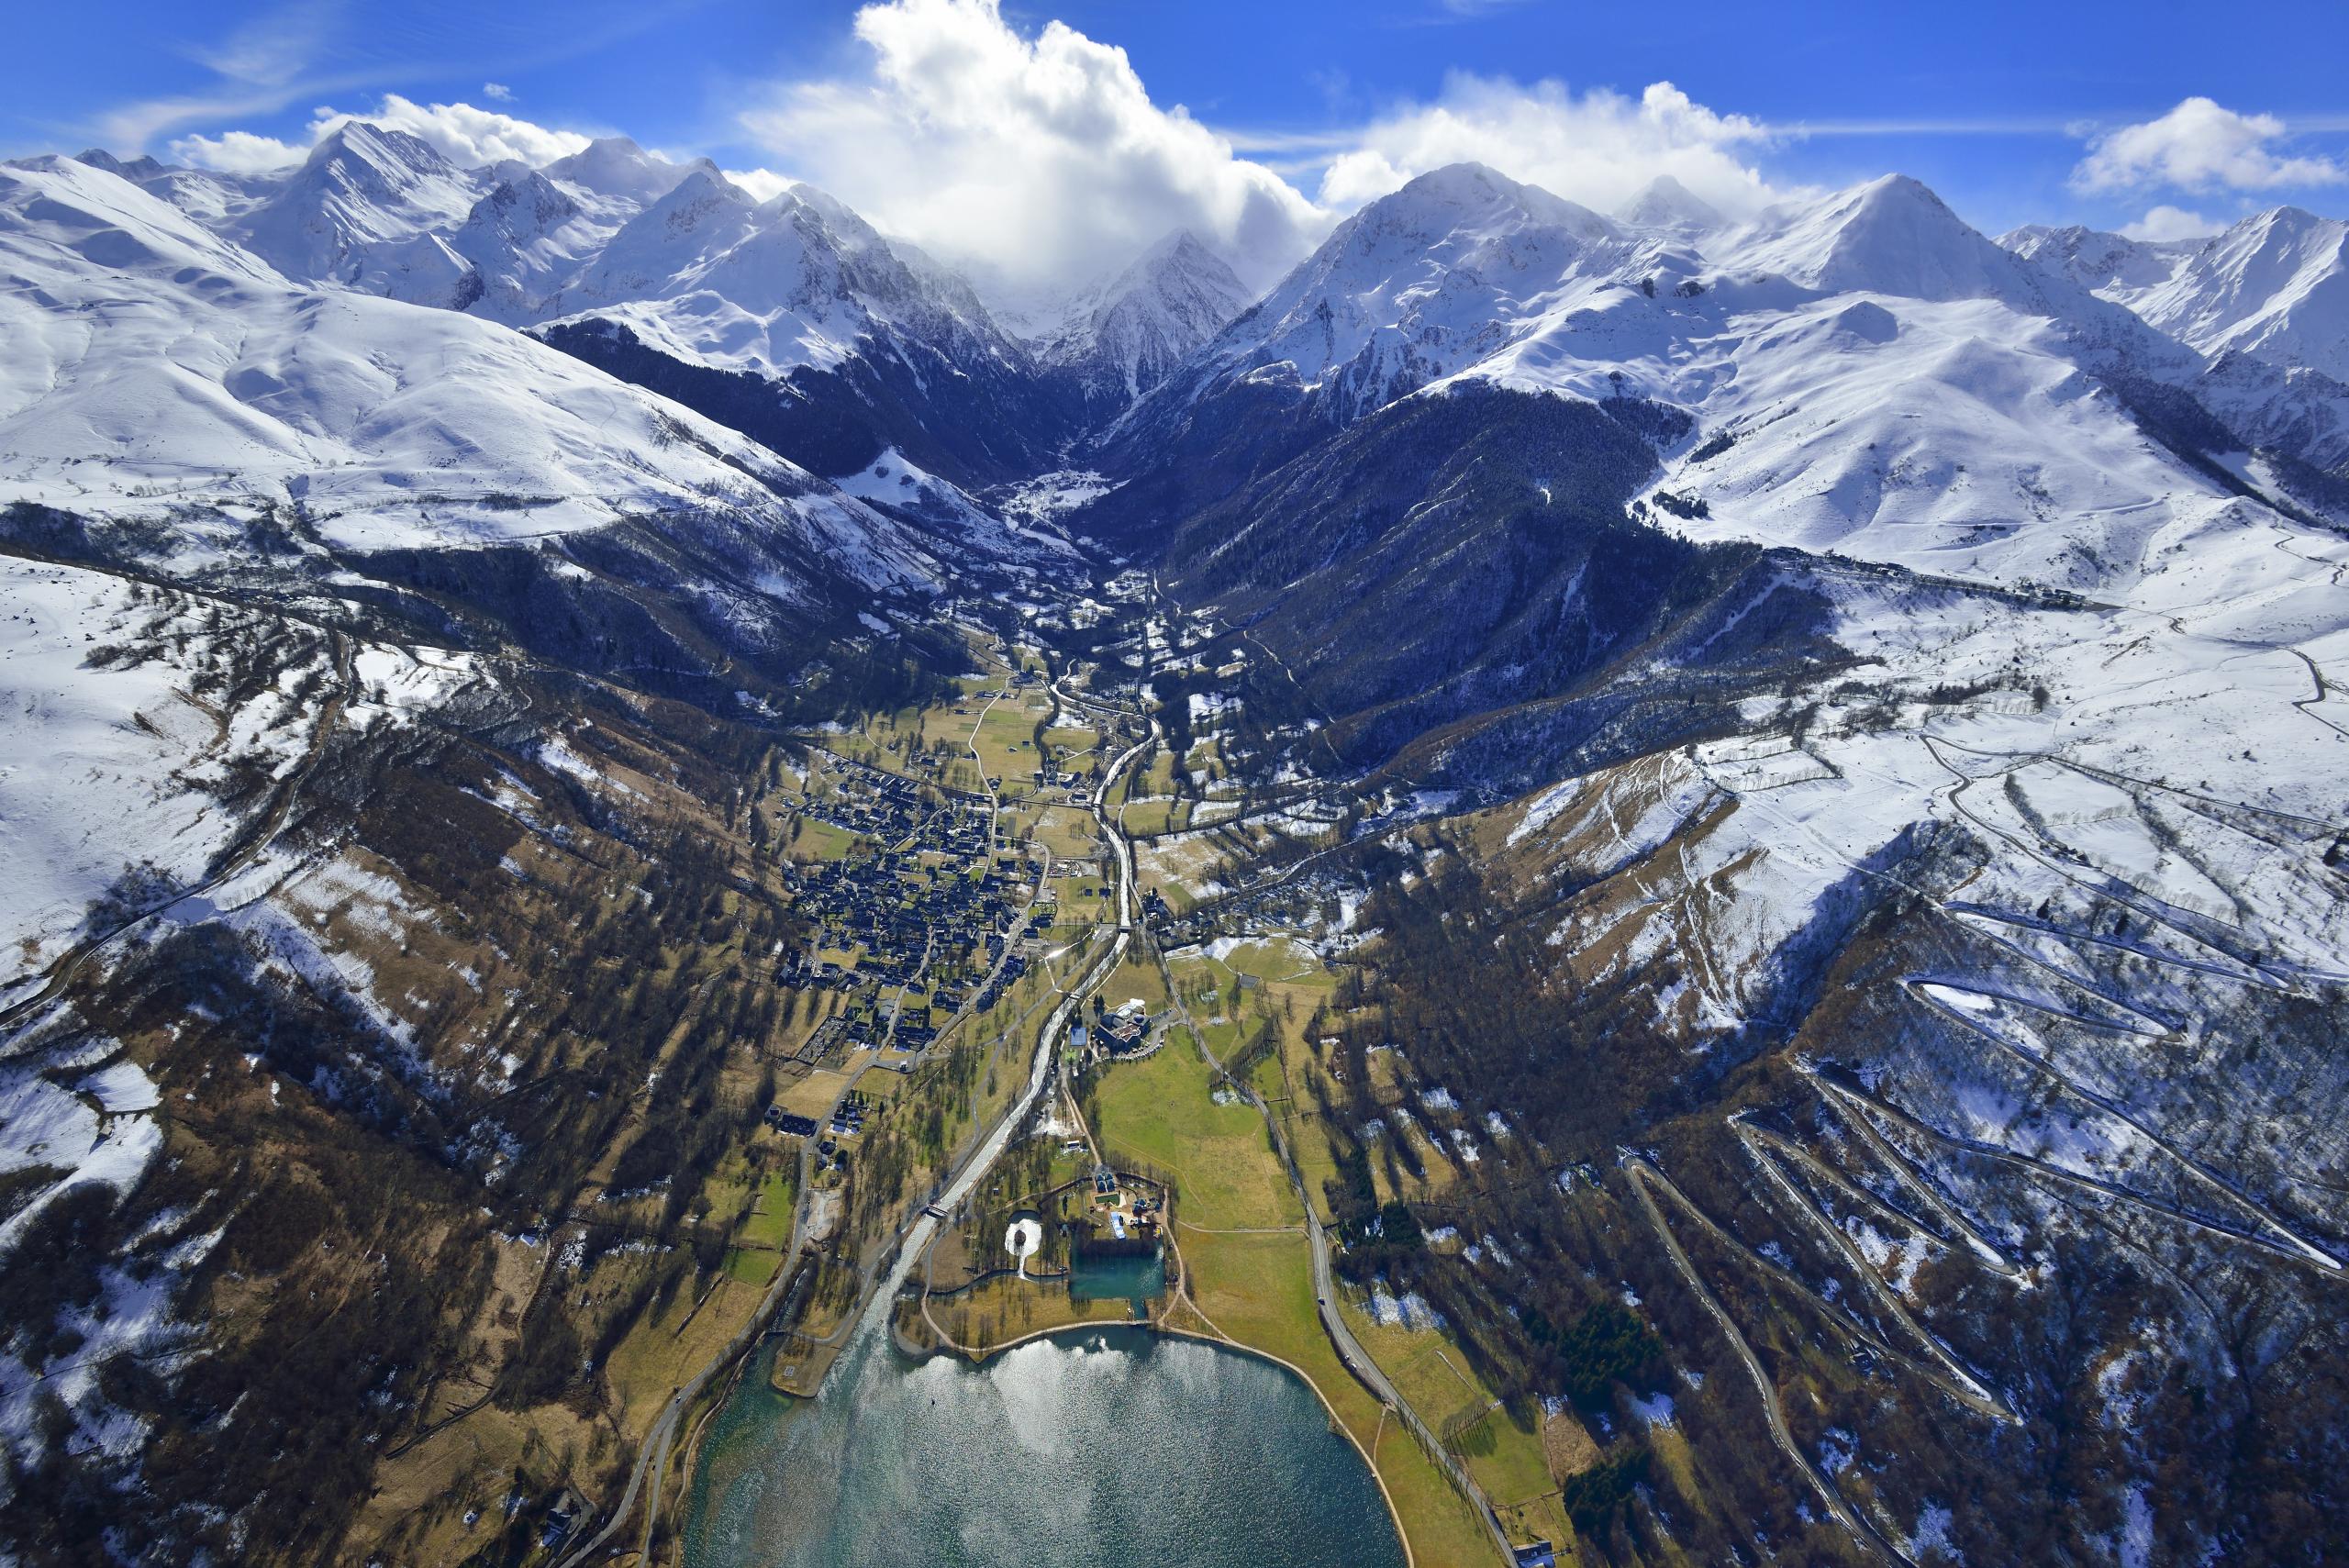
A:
976,1359
1107,1386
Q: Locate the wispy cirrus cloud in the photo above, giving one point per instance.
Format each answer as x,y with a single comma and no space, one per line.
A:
270,62
309,52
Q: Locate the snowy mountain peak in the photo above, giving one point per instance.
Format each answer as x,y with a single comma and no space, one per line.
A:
361,155
1890,236
1180,247
368,208
2097,261
2275,285
529,203
693,199
1462,197
114,224
1420,284
1127,334
617,167
522,239
129,169
1181,281
1665,203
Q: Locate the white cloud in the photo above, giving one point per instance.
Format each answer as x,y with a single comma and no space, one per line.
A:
2199,145
1599,147
764,184
466,136
1039,160
2170,223
236,153
266,63
498,92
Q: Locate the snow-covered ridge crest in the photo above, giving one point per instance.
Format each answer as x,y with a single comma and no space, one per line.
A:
1126,334
155,369
1864,372
2274,286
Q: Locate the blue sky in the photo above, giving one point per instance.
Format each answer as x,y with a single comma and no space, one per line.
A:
2014,112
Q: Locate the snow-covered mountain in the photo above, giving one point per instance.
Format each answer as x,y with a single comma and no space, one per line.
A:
1665,203
2111,265
522,239
1126,334
1417,285
220,386
615,250
793,319
1866,372
2275,285
617,169
170,403
370,209
710,274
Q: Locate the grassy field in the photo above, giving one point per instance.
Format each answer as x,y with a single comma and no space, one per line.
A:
770,1222
1242,1243
1137,977
812,841
1006,745
986,1315
1258,1289
1067,831
1428,1367
1160,1111
1155,814
753,1266
663,1351
1181,869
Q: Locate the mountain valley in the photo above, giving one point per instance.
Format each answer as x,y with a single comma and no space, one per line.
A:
1744,820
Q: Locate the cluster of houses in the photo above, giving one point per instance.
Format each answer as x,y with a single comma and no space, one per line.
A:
848,1119
1001,980
886,806
897,904
1064,780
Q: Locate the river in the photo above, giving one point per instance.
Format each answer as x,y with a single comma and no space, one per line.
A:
1100,1447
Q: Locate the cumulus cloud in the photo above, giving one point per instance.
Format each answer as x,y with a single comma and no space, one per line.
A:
1040,161
2199,145
1597,148
764,184
465,135
498,92
236,152
2170,223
